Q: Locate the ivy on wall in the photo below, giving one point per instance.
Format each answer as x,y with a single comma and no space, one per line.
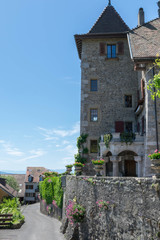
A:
50,189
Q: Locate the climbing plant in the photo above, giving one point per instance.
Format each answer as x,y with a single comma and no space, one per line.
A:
154,84
84,150
107,138
81,140
127,137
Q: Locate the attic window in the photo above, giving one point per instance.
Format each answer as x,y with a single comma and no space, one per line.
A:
111,51
40,178
30,178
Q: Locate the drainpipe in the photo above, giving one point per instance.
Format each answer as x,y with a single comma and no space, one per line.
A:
155,110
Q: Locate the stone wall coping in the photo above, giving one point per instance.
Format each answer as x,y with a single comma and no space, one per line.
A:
142,179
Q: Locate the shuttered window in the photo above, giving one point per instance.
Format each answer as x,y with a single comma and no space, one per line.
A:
120,48
111,51
102,49
119,126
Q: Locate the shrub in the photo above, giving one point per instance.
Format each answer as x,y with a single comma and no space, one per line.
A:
50,189
12,206
75,212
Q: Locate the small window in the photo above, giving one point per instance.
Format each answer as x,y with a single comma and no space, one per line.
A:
128,126
93,86
128,101
30,178
94,146
93,115
40,178
111,51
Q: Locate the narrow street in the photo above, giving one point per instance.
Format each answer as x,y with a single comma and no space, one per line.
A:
37,226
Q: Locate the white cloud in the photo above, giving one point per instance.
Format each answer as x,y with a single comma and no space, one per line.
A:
51,134
34,154
10,150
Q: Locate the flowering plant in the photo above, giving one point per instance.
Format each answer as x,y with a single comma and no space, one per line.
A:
54,203
69,166
48,208
78,164
98,162
103,205
155,155
75,212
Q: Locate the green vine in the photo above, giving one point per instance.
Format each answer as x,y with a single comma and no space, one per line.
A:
81,140
79,158
154,84
107,138
127,137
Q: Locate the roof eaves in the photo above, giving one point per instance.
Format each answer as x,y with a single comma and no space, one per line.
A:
4,189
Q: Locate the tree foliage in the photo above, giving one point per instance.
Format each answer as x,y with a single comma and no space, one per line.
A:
12,182
50,189
154,84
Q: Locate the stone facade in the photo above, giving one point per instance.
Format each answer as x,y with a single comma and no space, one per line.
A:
133,212
117,77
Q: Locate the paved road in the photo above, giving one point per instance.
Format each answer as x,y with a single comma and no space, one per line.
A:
36,227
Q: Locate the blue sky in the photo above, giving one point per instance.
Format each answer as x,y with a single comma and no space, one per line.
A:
40,76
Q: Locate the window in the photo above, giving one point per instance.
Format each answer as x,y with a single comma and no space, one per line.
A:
94,146
40,178
128,101
128,126
93,85
93,115
30,178
119,126
29,186
111,51
30,194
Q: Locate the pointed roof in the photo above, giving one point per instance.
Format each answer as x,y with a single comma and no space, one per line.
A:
109,22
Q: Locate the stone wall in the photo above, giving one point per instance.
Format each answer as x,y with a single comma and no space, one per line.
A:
51,211
133,212
116,78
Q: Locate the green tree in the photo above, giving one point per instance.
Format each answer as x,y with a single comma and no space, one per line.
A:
12,182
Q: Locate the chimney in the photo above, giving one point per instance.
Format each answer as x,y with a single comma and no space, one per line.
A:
140,17
158,3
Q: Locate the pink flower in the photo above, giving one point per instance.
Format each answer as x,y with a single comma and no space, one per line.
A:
49,180
156,151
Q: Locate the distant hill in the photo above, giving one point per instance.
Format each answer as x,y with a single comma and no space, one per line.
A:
3,173
13,172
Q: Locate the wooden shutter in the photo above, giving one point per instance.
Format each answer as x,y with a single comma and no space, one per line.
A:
119,126
120,48
142,88
102,48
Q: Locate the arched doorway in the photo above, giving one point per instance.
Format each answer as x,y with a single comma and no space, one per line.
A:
109,165
127,165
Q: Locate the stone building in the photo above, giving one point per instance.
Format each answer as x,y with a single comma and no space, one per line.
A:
114,65
33,176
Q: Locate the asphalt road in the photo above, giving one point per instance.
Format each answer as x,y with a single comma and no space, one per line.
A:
36,227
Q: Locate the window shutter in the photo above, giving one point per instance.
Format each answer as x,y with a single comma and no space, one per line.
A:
142,88
119,126
120,48
102,47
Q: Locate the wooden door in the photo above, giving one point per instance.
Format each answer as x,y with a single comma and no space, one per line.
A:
130,168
